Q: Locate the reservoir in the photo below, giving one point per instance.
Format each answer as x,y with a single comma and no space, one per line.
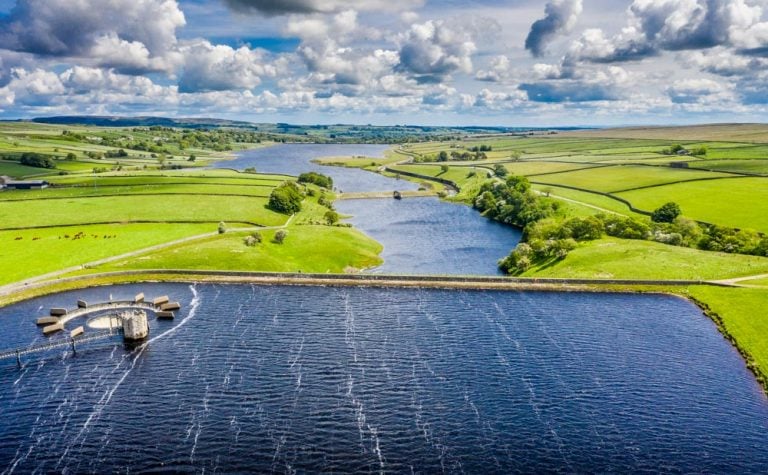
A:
430,236
419,235
311,379
294,159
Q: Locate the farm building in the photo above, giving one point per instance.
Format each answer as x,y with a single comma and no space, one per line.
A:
26,185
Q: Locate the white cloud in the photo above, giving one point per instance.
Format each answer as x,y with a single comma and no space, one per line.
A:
560,18
499,70
112,33
209,67
432,51
284,7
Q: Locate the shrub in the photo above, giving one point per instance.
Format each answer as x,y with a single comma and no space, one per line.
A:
331,217
286,198
318,179
32,159
253,239
280,236
666,213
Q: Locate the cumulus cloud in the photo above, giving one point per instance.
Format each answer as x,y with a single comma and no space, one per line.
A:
499,70
209,67
115,33
560,18
674,25
566,86
689,91
284,7
432,51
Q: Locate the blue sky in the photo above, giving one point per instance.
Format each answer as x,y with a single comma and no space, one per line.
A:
515,62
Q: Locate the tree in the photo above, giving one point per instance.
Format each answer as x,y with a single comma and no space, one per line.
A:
500,171
71,156
280,236
666,213
253,239
331,217
318,179
286,198
444,169
32,159
192,158
442,156
222,228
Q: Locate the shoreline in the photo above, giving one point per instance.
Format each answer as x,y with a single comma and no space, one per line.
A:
478,283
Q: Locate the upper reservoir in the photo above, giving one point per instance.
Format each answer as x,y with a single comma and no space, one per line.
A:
419,235
294,159
255,379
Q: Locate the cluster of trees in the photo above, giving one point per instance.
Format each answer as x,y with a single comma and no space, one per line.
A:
318,179
286,198
120,153
700,151
444,156
481,148
552,239
32,159
513,202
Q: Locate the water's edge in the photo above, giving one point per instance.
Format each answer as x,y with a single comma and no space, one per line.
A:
338,280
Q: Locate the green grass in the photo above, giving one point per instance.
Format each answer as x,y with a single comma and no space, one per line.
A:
743,317
612,179
171,208
738,166
16,170
52,251
600,201
611,258
307,249
735,202
84,192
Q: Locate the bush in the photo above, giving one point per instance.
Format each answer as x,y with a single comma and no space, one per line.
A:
36,160
667,213
318,179
253,239
222,228
331,217
280,236
286,198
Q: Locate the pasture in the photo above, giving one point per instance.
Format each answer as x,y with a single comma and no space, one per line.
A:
737,202
319,249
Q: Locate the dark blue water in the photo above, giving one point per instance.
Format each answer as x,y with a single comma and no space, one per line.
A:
429,236
298,379
294,159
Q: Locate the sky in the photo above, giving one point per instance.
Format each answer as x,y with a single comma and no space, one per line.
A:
387,62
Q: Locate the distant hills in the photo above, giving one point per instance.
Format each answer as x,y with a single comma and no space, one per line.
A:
142,121
336,133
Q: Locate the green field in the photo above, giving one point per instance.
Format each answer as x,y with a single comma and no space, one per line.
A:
743,316
40,251
133,208
737,203
317,249
611,258
614,179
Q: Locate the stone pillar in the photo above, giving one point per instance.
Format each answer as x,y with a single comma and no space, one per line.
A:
135,325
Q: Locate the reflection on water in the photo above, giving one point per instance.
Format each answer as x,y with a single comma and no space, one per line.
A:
270,378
